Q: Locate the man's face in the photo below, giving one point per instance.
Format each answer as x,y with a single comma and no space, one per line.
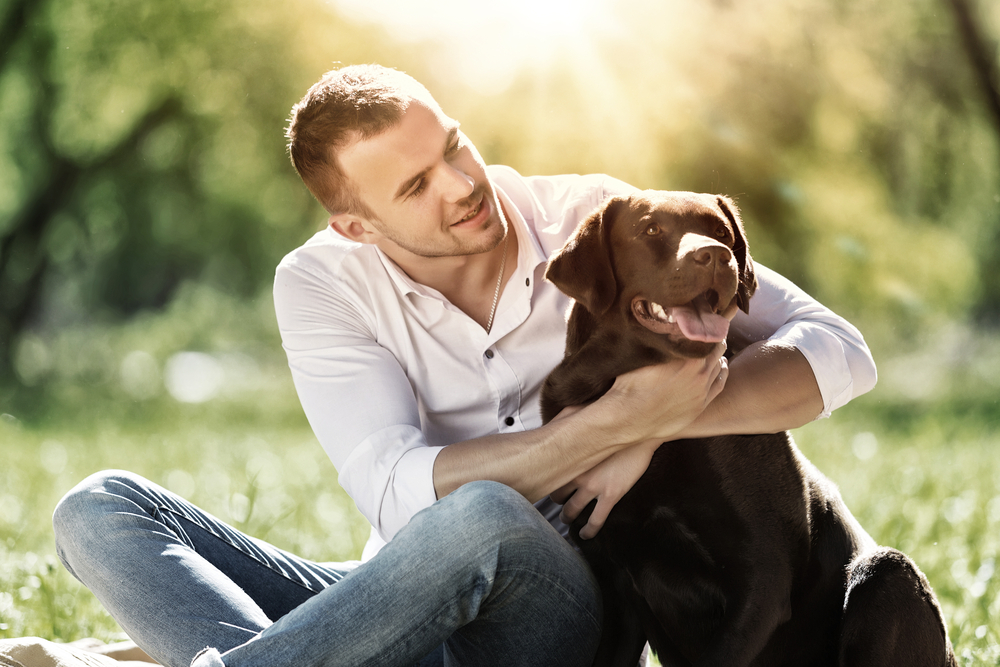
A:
427,187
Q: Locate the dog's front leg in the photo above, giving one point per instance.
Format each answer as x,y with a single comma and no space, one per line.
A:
748,628
622,636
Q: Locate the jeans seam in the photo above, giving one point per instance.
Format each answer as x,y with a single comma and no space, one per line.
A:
210,529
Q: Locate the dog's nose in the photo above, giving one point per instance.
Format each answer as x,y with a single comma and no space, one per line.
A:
712,254
705,254
702,251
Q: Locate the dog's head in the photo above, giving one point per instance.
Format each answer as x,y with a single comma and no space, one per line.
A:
676,263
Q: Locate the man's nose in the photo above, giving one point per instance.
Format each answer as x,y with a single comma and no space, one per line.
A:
459,185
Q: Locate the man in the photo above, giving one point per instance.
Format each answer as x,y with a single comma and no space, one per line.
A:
419,330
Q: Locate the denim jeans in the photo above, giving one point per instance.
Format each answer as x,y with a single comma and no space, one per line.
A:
479,578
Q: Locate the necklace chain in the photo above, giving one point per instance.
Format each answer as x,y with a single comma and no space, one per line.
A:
496,292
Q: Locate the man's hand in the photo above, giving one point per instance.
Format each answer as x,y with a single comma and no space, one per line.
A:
654,402
606,482
659,401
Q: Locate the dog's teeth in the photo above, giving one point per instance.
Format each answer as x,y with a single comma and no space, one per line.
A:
660,314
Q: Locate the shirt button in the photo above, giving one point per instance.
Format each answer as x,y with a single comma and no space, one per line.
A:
509,421
489,354
527,282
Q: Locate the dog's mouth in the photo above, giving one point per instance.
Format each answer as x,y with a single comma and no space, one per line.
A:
700,320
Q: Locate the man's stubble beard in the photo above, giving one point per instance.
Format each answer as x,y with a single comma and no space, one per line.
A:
415,247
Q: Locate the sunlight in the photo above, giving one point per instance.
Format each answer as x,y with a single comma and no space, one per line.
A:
485,45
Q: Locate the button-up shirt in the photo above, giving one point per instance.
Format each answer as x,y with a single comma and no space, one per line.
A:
389,371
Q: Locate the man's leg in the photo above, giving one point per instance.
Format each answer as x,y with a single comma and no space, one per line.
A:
480,570
174,577
481,562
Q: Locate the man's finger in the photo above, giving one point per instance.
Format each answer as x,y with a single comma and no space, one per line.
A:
573,506
597,519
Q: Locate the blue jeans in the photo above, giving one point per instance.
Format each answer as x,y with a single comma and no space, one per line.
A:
479,578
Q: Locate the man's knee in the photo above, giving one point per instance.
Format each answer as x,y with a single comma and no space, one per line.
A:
491,511
80,502
486,525
77,517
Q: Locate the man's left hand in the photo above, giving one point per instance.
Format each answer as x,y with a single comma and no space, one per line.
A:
606,482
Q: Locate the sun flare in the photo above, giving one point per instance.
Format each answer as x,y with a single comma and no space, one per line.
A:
485,45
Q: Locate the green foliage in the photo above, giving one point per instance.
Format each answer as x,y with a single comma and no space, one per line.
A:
141,145
852,135
145,198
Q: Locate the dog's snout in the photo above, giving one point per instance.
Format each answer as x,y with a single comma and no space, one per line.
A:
712,254
703,252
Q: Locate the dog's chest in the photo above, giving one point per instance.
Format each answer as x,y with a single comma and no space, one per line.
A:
723,497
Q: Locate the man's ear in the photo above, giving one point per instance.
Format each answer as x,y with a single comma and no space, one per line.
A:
353,228
582,268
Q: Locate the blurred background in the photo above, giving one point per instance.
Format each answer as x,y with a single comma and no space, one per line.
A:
146,197
142,152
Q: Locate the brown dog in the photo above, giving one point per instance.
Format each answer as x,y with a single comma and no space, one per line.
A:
733,550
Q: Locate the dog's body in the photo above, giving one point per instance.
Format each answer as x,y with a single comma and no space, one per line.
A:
733,550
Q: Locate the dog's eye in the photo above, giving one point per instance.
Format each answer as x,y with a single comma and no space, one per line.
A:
652,230
722,232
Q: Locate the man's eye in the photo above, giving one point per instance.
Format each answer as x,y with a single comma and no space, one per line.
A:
454,148
421,184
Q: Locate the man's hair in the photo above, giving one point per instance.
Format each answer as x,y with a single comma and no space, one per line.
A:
349,104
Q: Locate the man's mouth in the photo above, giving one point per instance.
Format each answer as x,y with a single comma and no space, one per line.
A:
700,320
473,213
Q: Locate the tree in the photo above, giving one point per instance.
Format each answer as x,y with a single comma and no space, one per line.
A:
983,61
141,145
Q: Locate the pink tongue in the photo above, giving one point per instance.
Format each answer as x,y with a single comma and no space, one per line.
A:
699,325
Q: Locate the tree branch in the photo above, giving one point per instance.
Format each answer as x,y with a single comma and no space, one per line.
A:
28,231
980,56
13,25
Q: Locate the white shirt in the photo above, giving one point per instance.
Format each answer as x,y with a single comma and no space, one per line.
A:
389,372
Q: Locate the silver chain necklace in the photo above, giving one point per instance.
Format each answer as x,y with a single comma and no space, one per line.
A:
496,292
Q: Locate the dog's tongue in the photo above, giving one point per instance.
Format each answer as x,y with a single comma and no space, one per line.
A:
700,325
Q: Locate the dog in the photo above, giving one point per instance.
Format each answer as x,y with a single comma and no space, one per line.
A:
734,550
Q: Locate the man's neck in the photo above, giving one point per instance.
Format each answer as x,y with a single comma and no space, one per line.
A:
469,282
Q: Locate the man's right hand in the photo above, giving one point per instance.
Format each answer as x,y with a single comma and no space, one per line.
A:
657,402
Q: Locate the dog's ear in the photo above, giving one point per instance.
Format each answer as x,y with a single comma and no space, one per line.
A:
748,279
582,268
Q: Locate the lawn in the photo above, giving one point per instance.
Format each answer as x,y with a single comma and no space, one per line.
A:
920,475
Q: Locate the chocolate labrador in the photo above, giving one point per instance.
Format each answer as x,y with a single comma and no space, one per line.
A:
732,550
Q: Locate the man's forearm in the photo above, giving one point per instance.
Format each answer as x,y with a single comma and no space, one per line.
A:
532,462
770,388
647,403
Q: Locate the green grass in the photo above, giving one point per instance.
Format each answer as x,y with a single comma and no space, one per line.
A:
920,476
932,490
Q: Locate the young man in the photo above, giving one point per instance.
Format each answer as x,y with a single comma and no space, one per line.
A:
418,330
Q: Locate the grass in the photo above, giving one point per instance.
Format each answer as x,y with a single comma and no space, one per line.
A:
922,476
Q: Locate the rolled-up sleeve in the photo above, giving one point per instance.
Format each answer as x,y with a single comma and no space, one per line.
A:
357,399
783,313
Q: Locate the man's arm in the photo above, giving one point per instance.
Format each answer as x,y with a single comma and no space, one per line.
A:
771,388
655,402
